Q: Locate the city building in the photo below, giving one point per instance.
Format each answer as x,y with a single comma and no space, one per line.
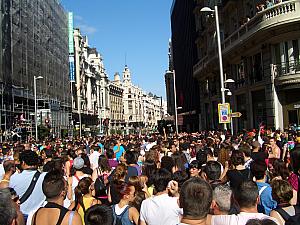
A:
117,122
184,57
90,91
132,103
260,48
34,43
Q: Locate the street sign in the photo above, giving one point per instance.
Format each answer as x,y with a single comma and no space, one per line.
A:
224,111
235,114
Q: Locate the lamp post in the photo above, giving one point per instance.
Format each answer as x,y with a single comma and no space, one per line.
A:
215,11
35,105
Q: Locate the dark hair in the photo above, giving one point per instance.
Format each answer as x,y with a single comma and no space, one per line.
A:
280,169
130,157
9,165
29,157
180,177
195,164
246,195
195,189
7,210
98,214
282,191
149,167
179,160
86,160
161,179
201,156
212,170
237,158
82,188
246,150
295,159
261,222
109,153
53,184
258,169
103,163
120,172
167,162
124,189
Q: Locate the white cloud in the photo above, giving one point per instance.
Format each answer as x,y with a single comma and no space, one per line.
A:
83,26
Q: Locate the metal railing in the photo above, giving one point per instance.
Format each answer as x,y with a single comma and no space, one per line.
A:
286,68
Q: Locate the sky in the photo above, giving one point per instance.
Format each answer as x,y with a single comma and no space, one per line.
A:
135,32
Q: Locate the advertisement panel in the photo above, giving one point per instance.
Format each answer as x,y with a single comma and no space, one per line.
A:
72,68
224,111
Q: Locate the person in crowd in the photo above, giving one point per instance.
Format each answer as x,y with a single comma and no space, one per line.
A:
261,222
98,214
55,189
78,165
123,212
274,150
132,168
69,162
222,200
30,199
161,208
238,173
258,153
167,162
141,191
195,212
149,167
8,213
247,155
84,197
266,202
96,151
118,150
113,163
103,170
247,198
212,173
282,193
279,170
118,177
195,169
9,169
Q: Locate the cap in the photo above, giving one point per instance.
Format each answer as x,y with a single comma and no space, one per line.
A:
78,163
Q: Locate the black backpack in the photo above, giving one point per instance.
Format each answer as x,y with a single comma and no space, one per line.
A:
118,218
290,220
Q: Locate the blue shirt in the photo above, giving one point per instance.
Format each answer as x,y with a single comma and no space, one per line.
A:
266,201
119,153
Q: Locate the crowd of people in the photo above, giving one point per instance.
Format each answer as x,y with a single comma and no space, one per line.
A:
208,177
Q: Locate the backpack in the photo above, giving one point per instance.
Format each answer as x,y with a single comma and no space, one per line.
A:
290,220
118,218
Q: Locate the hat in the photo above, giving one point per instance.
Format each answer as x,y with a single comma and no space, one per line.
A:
78,163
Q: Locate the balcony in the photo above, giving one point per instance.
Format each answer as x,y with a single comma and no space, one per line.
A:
280,14
286,74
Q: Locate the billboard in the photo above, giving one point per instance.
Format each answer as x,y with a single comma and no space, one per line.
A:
70,26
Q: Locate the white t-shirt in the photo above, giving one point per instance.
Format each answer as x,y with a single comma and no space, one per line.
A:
20,182
240,219
160,210
2,172
94,159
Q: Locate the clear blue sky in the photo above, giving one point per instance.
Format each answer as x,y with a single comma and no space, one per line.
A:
139,29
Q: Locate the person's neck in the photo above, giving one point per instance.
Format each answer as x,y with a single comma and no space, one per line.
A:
29,167
191,221
7,176
249,209
58,201
262,180
161,192
122,203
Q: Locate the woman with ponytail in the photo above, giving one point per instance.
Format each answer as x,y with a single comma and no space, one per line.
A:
118,178
84,197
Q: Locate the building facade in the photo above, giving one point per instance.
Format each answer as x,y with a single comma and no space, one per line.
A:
34,42
117,122
260,51
184,56
90,91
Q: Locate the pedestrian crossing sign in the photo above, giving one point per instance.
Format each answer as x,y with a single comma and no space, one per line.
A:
224,111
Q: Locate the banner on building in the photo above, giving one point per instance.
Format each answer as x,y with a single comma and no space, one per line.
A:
71,38
224,111
72,68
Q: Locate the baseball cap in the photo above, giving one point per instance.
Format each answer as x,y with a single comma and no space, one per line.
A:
78,163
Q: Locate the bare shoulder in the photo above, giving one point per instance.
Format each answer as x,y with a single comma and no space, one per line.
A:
76,220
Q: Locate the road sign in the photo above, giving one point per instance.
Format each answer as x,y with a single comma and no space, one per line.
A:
235,114
224,111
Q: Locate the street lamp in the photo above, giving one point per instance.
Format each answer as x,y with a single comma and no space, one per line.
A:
35,105
175,102
215,11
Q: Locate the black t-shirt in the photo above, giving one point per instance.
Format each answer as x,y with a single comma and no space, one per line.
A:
236,177
256,156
